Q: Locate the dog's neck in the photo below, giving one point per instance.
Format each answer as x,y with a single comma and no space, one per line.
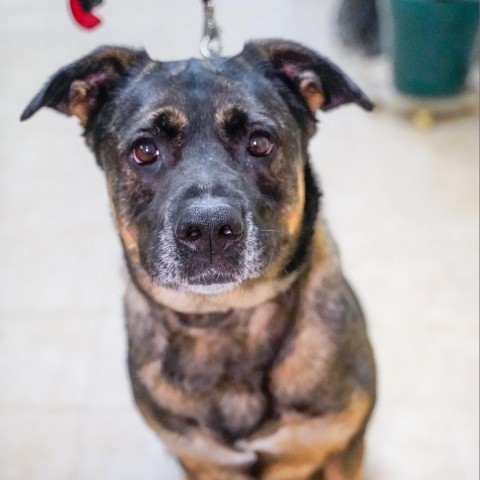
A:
244,296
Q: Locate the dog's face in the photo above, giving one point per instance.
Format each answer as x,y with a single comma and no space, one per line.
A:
205,164
206,160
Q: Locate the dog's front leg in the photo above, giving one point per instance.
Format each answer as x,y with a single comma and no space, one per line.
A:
346,465
197,469
302,447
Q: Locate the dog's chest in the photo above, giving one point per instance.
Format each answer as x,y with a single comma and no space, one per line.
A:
214,376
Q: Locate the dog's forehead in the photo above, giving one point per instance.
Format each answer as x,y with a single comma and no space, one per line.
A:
195,87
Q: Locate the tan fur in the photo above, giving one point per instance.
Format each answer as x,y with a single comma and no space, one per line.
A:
311,91
175,117
302,444
169,396
307,361
294,215
78,98
127,231
203,471
223,114
346,465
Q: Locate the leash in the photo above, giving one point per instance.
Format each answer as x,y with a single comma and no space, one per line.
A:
210,43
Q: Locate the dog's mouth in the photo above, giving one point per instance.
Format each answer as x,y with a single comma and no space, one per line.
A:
211,276
214,278
210,289
200,279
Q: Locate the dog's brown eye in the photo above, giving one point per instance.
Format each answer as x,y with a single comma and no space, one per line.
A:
260,145
144,151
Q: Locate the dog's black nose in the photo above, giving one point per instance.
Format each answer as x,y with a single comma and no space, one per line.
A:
209,227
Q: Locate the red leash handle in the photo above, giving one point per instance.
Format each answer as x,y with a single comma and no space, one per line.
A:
84,18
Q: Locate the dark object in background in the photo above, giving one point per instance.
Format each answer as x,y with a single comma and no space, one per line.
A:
358,26
89,5
432,45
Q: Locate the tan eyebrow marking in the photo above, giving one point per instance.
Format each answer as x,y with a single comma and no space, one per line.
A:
174,117
231,120
228,114
169,120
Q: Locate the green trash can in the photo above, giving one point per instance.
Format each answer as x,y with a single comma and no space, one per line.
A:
432,44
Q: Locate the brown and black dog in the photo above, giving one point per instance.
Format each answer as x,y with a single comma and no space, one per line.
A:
248,351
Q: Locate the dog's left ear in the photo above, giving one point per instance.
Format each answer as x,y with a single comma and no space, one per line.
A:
321,84
84,86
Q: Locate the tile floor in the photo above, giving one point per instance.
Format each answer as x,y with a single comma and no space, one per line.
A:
402,203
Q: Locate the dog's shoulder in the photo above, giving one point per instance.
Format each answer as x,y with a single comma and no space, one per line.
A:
327,355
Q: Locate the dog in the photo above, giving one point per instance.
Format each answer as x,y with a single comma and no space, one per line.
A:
248,350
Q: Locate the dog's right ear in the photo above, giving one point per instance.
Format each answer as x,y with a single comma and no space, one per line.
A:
82,87
320,83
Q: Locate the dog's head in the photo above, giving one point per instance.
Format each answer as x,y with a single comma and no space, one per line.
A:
206,160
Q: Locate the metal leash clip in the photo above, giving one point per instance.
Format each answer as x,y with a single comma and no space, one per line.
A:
211,43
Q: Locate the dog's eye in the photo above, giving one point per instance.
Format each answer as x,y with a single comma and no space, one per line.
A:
144,151
260,144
